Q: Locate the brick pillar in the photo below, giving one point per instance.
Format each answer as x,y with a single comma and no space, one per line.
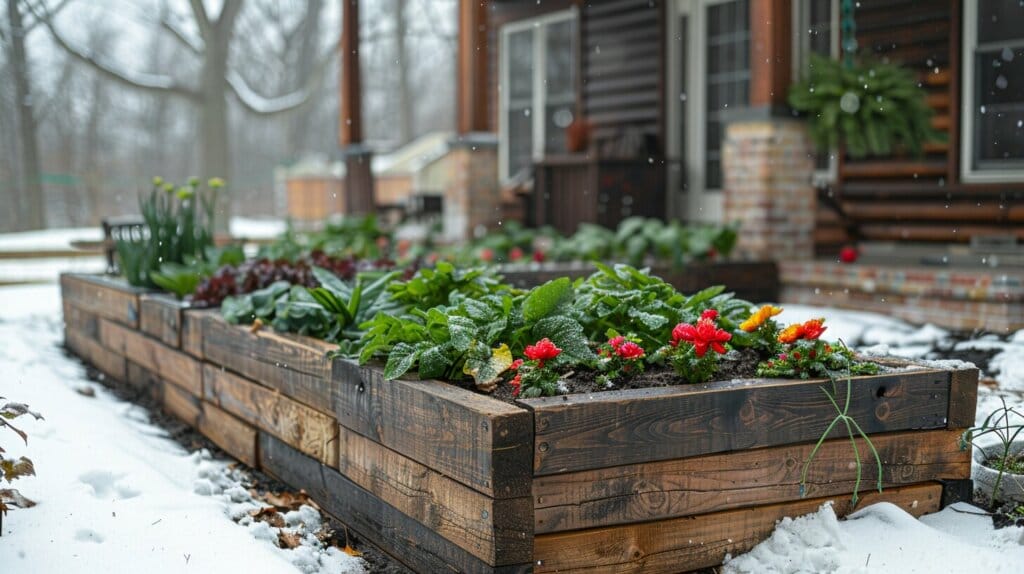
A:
768,168
472,199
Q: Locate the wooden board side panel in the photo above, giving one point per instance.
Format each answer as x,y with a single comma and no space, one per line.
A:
160,317
963,398
483,443
683,544
498,532
295,368
171,365
81,321
624,427
699,485
192,330
107,297
108,362
310,431
229,433
410,542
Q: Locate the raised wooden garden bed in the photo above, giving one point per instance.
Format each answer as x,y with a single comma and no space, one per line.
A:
756,281
447,480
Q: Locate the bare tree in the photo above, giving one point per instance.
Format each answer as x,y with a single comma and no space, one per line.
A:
217,79
28,195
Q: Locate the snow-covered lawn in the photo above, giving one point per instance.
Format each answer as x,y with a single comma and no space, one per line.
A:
116,494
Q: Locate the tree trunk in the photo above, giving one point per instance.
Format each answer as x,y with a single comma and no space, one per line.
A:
30,203
404,95
213,128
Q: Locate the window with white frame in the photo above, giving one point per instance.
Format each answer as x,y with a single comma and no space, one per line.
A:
538,89
993,91
817,25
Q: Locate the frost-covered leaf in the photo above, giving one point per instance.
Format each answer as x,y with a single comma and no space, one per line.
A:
402,357
546,299
14,498
462,331
566,334
433,363
648,320
485,367
12,469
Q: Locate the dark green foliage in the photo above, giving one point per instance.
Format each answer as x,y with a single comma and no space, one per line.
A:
433,287
874,108
178,230
360,237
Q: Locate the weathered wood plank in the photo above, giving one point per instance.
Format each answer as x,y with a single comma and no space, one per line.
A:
186,407
107,362
481,442
310,431
192,330
81,321
160,317
581,432
682,544
171,365
296,366
417,546
108,297
144,381
234,436
698,485
499,532
963,398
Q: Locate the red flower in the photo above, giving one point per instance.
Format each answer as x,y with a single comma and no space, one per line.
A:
813,329
629,350
709,314
515,383
702,335
539,256
616,342
796,355
487,254
543,350
848,254
515,365
515,254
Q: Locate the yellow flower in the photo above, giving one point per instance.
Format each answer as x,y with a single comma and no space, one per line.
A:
759,317
791,333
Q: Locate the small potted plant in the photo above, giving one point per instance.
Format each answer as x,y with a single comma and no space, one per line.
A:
999,466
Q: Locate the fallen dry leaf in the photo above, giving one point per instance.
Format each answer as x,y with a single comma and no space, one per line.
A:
268,514
256,325
288,540
86,391
288,500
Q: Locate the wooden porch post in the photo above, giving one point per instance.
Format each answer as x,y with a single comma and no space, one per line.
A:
472,97
771,52
359,188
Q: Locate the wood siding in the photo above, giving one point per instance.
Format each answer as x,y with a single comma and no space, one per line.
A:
922,198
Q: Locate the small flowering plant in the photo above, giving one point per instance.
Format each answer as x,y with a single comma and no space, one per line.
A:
533,376
804,355
690,344
763,330
620,357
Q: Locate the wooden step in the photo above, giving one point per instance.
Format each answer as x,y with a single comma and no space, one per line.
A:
885,169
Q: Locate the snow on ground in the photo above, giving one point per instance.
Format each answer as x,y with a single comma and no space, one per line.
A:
884,538
114,493
48,239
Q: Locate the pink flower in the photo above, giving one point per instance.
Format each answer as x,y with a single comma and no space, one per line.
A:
487,254
629,350
515,254
616,342
515,365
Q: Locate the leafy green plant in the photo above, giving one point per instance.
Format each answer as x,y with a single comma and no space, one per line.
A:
999,422
625,300
13,469
181,279
874,108
179,227
360,237
476,335
435,286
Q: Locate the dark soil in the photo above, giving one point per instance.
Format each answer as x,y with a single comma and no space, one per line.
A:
1007,514
1014,463
980,357
378,562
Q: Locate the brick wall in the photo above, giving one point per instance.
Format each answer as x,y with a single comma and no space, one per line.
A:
472,199
767,169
